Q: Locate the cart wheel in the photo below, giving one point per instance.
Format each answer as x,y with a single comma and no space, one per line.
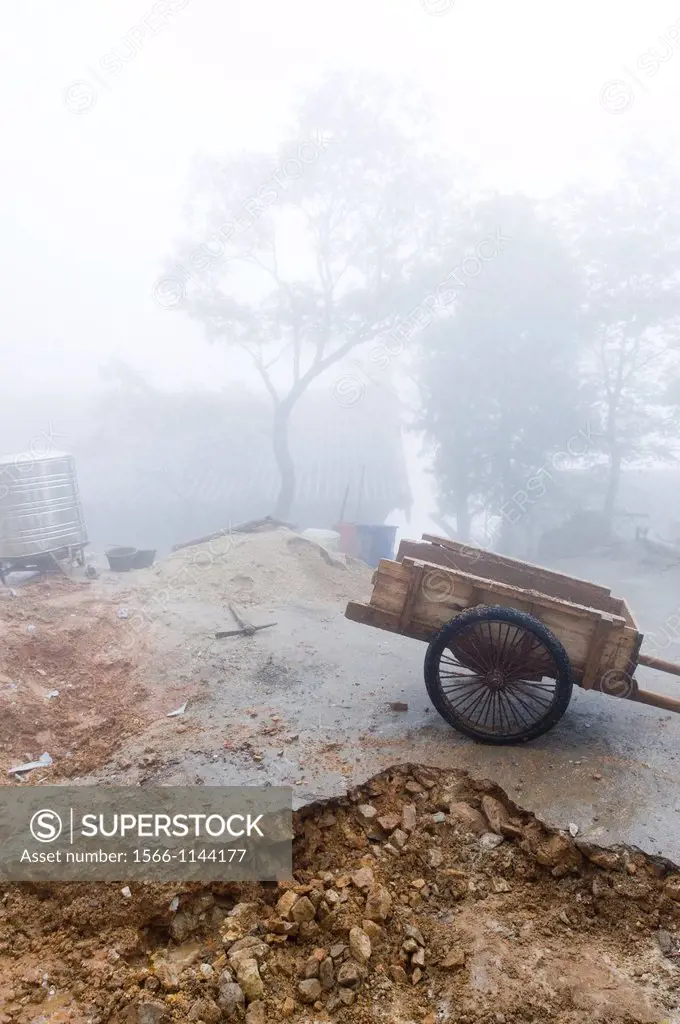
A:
498,675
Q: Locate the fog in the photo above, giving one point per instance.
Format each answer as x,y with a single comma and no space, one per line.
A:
130,130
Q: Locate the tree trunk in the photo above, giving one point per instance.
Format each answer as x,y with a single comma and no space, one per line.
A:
284,462
612,485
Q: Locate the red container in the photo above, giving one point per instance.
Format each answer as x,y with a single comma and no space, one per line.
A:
348,539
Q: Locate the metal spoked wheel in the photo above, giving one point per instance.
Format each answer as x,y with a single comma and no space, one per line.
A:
498,675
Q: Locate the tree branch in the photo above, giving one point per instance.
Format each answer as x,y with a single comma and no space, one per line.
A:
263,372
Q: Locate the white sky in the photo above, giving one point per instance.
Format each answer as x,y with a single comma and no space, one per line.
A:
90,203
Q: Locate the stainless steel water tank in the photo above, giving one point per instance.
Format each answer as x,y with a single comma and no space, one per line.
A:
39,505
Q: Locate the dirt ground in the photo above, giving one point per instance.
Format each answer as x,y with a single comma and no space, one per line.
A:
92,669
66,686
307,701
533,928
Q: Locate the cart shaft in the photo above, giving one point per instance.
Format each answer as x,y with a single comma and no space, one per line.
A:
657,700
658,663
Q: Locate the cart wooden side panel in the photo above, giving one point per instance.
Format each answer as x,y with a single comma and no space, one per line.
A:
491,566
417,598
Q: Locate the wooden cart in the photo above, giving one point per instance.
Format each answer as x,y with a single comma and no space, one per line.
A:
507,640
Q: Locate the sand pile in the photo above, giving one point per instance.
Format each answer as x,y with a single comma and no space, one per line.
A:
264,568
421,897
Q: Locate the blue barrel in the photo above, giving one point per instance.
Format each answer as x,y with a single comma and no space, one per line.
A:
376,542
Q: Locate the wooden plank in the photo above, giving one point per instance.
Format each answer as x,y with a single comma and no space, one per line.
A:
598,642
508,570
440,555
619,653
415,583
512,566
626,612
391,586
367,615
387,567
527,595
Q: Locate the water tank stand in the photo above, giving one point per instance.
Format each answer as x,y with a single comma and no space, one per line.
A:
46,563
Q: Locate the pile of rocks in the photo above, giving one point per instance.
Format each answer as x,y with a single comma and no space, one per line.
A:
360,928
406,894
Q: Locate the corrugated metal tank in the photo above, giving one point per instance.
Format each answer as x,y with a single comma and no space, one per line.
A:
40,508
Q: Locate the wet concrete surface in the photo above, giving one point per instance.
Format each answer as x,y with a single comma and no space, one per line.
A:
307,704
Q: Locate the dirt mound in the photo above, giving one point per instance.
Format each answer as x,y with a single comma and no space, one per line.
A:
264,568
66,685
422,897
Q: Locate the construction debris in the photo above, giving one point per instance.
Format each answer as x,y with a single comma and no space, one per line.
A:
44,761
531,929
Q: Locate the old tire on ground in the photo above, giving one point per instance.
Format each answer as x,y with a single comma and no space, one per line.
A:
498,675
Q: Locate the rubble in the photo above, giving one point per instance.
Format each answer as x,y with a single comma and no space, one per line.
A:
309,990
255,1014
248,976
357,935
409,818
44,761
359,945
470,818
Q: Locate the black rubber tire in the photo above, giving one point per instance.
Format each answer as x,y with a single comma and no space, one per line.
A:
564,680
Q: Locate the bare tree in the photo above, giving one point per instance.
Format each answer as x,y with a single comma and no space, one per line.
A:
300,257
